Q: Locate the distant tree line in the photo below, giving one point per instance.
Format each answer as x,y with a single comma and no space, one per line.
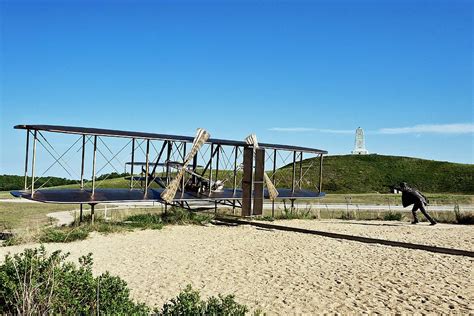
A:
112,175
13,182
9,182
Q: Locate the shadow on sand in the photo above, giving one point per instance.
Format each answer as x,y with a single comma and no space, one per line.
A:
367,240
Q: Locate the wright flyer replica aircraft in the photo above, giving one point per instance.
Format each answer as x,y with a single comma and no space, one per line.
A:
180,171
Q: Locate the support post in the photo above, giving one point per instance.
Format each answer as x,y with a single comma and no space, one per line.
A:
234,184
147,163
133,162
258,182
183,180
168,155
92,213
35,137
26,158
293,179
247,182
301,170
273,178
321,173
210,168
293,176
82,173
82,160
193,177
93,165
81,217
219,148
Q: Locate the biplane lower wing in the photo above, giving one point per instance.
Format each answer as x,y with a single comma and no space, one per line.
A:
78,196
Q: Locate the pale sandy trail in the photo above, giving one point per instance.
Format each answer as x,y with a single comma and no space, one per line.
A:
63,218
289,273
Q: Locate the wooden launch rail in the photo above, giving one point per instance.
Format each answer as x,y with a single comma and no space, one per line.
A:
442,250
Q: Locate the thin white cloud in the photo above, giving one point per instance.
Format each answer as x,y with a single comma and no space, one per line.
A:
431,129
308,129
292,129
458,128
337,131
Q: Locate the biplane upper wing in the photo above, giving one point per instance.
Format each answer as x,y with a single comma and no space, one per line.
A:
143,135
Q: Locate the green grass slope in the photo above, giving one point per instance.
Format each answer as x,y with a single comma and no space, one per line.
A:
341,174
373,173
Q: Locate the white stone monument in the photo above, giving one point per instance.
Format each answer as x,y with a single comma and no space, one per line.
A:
359,143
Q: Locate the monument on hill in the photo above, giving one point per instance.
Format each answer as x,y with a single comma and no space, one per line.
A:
359,143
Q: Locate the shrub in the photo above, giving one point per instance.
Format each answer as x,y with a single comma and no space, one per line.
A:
64,234
151,221
108,228
224,305
34,283
174,216
347,215
266,218
463,218
181,216
295,213
392,216
189,302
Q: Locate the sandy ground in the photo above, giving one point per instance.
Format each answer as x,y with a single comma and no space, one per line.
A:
291,273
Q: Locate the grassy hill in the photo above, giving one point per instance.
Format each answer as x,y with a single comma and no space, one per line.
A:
341,174
372,173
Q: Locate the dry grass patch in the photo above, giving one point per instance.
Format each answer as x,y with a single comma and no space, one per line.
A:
28,215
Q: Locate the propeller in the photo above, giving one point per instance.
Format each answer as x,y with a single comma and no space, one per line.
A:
201,137
272,191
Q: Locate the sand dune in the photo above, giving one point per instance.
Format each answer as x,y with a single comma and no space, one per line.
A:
290,273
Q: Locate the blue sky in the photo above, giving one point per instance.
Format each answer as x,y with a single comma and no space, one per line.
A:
295,72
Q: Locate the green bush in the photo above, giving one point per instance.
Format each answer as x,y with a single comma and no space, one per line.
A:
174,216
34,283
181,216
189,302
64,234
151,221
392,216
